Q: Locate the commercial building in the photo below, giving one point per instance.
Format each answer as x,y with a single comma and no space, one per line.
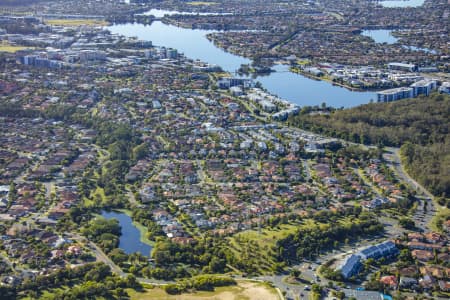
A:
395,94
171,53
362,295
384,249
402,67
226,83
423,87
90,55
41,62
352,264
445,88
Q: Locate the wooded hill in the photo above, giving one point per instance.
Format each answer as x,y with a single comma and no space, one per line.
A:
421,126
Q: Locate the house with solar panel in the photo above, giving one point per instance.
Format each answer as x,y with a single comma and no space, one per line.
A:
353,263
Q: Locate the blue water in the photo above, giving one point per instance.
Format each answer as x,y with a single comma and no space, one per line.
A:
159,13
385,36
403,3
130,238
194,44
380,36
413,48
305,91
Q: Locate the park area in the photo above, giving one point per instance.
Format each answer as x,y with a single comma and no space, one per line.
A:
245,290
76,22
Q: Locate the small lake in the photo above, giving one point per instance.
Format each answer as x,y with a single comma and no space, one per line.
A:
130,239
295,88
403,3
381,36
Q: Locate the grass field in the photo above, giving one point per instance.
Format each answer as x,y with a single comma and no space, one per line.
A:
258,246
245,290
443,214
76,22
6,47
197,3
268,237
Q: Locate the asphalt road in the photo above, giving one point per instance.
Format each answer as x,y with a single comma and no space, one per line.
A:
421,216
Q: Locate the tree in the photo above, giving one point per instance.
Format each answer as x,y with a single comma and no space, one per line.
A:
407,151
132,282
141,151
405,256
407,223
98,273
118,256
295,273
316,291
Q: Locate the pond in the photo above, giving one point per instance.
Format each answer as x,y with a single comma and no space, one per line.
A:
130,240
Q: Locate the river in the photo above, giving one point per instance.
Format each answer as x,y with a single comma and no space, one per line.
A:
293,87
159,13
130,240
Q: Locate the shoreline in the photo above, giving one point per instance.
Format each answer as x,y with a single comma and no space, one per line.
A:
143,231
306,74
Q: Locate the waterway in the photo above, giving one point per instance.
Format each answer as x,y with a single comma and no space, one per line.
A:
130,240
381,36
385,36
402,3
159,13
287,85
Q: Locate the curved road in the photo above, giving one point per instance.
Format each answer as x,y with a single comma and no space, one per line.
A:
422,216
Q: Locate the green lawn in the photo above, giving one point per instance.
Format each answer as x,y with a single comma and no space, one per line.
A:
245,290
197,3
267,236
258,246
442,213
76,22
6,47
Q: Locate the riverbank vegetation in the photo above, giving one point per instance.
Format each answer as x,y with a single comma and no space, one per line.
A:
420,126
103,232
